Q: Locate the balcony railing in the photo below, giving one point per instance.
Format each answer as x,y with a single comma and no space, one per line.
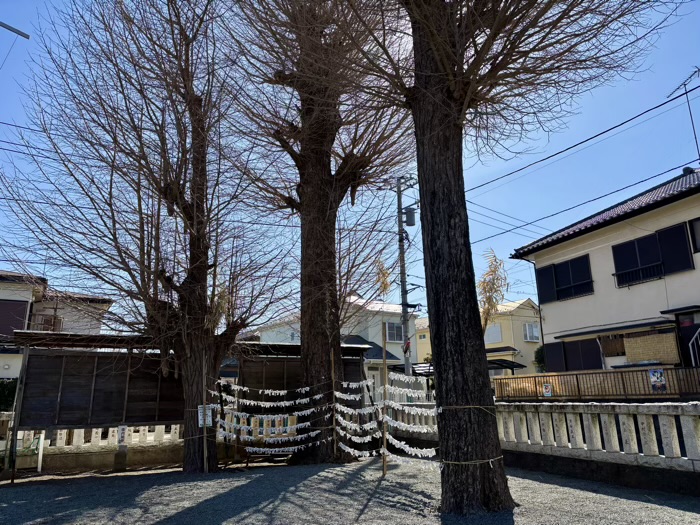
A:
46,323
642,274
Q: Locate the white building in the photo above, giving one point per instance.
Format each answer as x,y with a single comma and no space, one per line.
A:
621,287
27,303
365,323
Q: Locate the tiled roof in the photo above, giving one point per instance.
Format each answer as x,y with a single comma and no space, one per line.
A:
375,352
8,276
685,185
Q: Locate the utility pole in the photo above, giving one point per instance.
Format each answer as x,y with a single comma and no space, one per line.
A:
14,30
410,221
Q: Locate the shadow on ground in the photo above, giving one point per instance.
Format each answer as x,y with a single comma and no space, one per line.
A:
674,501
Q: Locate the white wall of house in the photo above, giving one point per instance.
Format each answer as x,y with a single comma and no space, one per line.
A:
366,324
78,318
16,292
10,365
609,305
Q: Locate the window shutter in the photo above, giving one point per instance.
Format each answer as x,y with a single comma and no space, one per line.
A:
554,357
675,249
546,289
625,256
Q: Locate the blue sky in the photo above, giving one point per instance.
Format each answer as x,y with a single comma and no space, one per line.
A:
642,149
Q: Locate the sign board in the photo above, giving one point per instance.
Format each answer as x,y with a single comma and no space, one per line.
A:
200,414
547,390
658,381
121,435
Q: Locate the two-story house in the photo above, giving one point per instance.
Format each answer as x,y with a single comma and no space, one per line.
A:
512,334
27,303
365,322
620,287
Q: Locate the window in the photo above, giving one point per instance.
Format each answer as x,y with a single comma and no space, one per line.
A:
564,280
531,332
394,332
651,257
13,316
695,234
493,334
422,336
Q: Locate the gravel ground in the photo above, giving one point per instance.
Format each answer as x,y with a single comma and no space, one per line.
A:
326,495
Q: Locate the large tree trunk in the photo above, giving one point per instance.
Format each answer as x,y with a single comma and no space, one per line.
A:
320,316
202,360
461,377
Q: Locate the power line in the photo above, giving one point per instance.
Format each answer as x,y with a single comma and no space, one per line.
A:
8,52
590,200
567,149
584,141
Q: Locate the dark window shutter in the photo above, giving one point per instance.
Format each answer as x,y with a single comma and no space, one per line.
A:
625,256
562,273
554,357
13,316
675,249
648,249
580,269
695,234
546,290
572,353
590,355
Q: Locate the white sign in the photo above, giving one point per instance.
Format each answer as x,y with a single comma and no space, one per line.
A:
200,413
121,435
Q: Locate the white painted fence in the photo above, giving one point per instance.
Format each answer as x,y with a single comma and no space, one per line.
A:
642,434
662,435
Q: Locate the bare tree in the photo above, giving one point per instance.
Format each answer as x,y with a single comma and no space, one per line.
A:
316,134
131,195
490,72
491,287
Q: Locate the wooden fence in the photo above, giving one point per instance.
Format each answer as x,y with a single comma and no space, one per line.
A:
631,384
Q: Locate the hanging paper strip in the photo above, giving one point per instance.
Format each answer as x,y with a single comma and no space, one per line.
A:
284,450
407,391
406,379
359,384
299,413
279,440
422,429
418,452
357,453
348,410
422,464
410,409
354,426
267,391
358,439
282,430
349,397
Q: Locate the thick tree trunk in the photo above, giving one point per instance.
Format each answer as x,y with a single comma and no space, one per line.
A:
320,316
473,477
201,361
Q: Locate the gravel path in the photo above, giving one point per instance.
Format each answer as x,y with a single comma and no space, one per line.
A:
325,495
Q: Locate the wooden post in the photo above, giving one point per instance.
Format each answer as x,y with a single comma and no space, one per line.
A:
335,441
386,379
204,413
17,409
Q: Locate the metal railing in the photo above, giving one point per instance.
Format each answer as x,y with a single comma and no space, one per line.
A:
642,274
695,348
